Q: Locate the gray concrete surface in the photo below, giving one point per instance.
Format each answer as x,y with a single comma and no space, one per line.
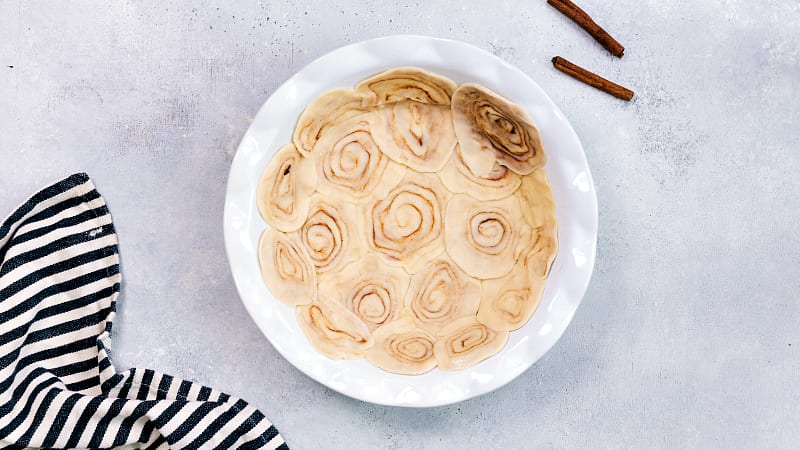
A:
689,335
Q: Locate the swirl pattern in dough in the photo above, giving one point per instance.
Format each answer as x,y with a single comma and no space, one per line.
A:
536,198
491,130
330,234
406,83
333,330
400,347
285,188
466,342
411,222
440,293
499,183
349,163
538,257
406,226
539,210
370,289
326,110
508,302
286,268
484,238
417,135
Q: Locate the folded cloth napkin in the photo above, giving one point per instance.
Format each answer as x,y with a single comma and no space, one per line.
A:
59,280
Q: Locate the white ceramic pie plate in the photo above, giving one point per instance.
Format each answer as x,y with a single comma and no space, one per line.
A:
569,175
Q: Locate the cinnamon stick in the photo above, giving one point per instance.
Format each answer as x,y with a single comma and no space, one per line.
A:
592,79
585,21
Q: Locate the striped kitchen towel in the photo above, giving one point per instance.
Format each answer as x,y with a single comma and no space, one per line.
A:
59,280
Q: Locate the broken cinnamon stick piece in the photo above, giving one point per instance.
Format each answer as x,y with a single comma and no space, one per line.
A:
592,79
585,21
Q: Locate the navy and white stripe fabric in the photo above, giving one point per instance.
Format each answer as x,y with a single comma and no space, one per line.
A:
59,281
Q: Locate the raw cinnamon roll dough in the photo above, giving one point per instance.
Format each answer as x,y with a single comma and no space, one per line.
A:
539,255
369,288
508,302
417,135
539,210
406,83
441,292
411,222
484,238
351,166
491,130
401,347
333,330
406,226
287,269
330,233
329,108
466,342
499,183
536,197
285,188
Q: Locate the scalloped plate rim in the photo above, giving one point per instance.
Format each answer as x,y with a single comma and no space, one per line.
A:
365,382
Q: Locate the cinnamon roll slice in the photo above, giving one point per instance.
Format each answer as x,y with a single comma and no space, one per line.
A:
406,226
484,238
284,189
440,293
286,268
466,342
330,234
539,255
539,210
491,129
499,183
369,288
350,165
322,113
508,302
406,83
333,330
402,348
417,135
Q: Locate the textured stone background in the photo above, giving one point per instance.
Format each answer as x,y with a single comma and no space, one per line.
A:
689,335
